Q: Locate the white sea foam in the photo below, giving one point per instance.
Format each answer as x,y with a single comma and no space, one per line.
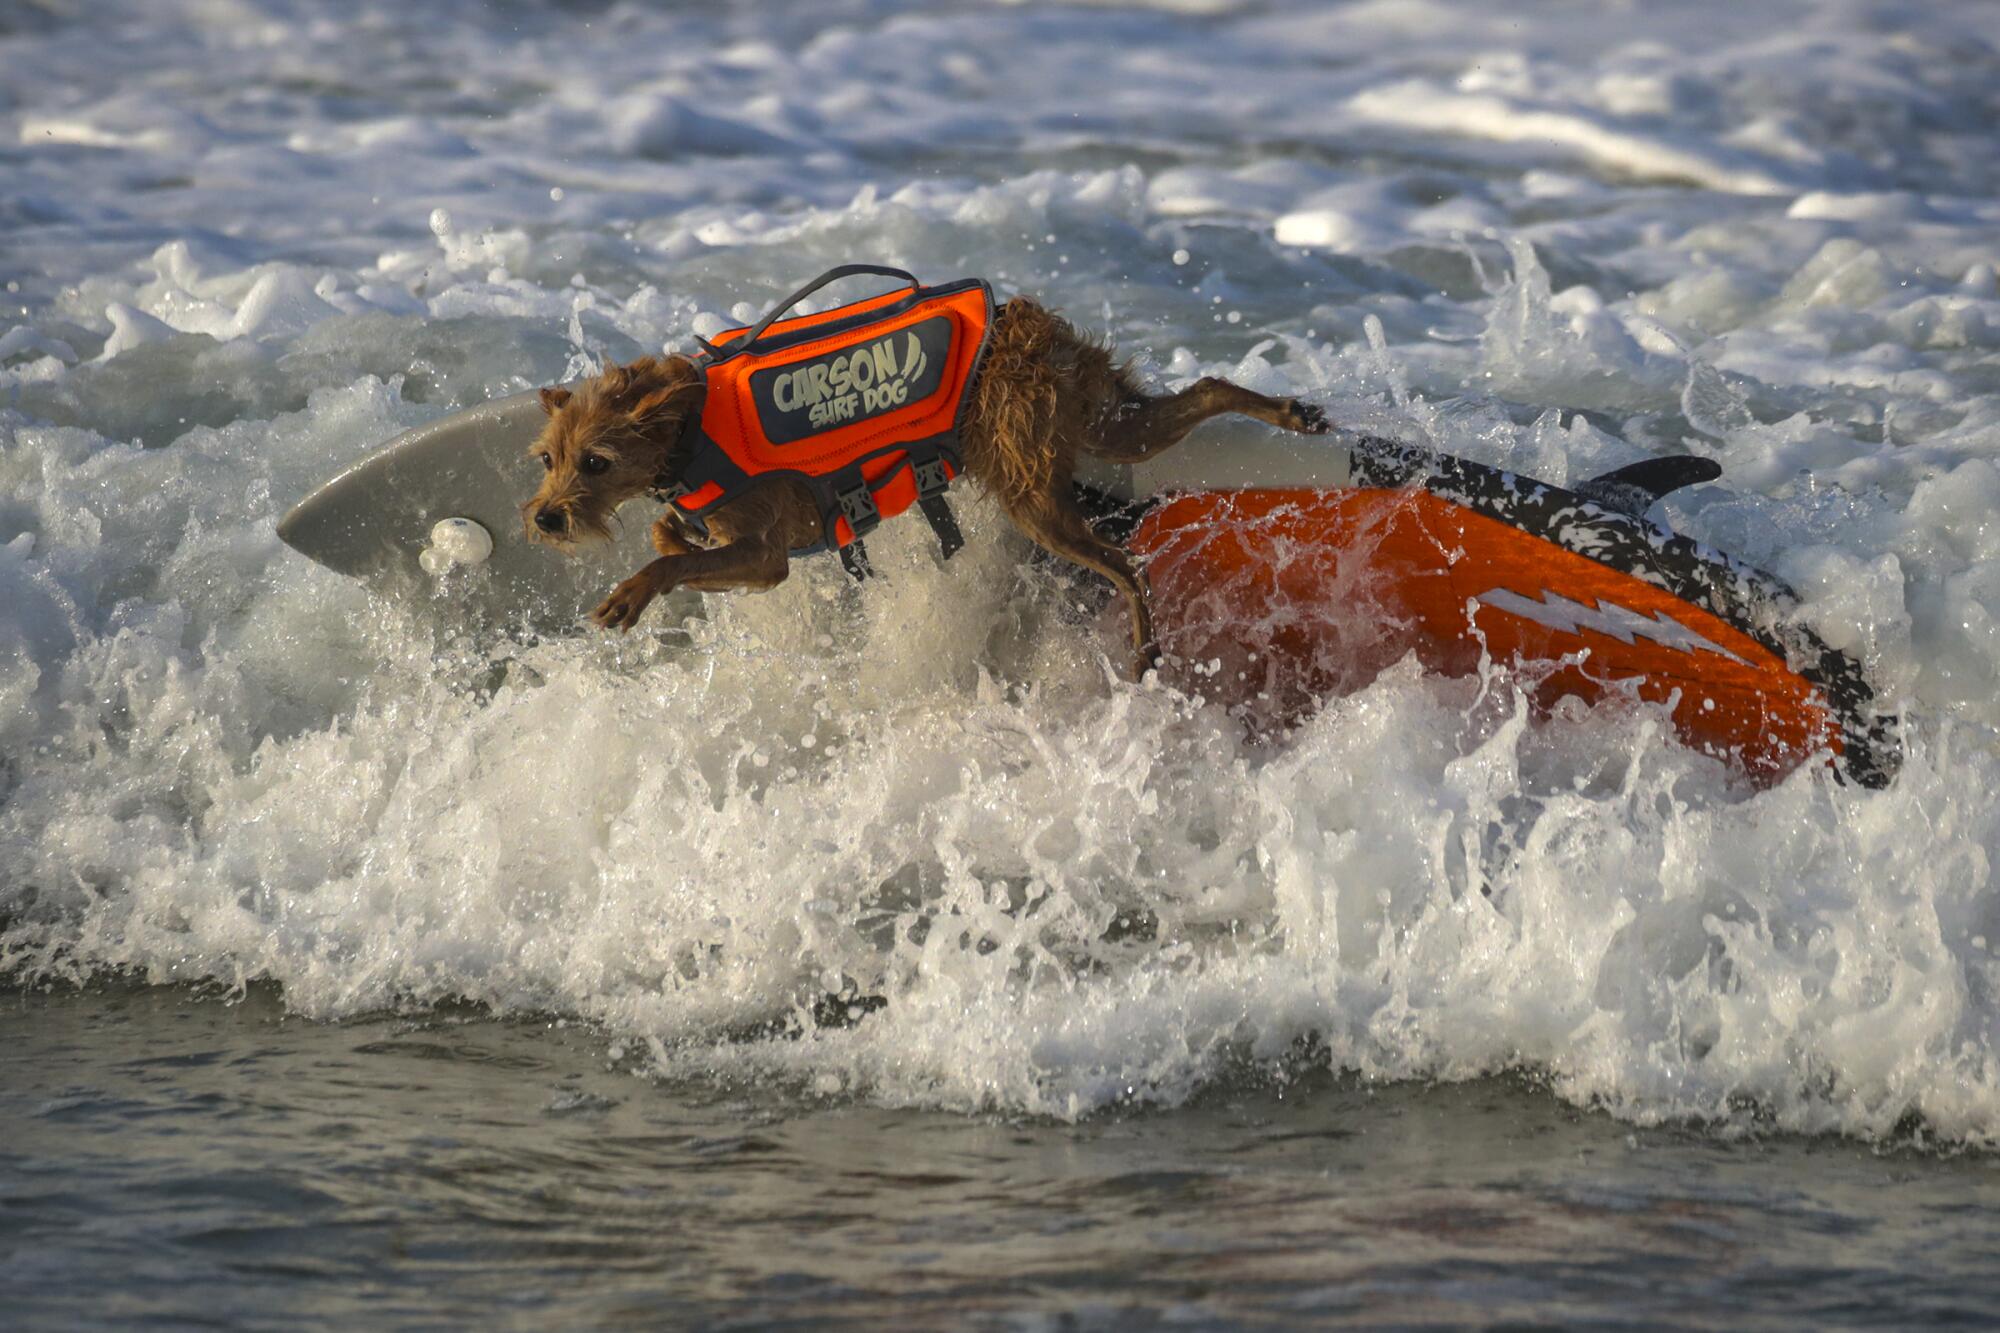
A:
1423,106
244,245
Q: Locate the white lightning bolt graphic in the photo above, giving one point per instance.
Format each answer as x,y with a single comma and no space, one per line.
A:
1618,622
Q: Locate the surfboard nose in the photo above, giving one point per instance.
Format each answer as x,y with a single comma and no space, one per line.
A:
333,530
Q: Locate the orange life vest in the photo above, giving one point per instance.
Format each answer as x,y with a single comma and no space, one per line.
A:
861,403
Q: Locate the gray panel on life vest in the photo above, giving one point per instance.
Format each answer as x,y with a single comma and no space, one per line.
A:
374,520
820,393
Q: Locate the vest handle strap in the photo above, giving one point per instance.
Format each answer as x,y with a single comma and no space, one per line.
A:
834,274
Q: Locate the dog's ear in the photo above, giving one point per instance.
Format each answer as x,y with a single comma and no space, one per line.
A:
681,392
663,402
553,400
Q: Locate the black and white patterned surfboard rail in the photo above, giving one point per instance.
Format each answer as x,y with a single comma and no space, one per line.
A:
1758,603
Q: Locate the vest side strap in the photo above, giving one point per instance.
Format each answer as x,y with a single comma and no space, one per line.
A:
937,510
854,559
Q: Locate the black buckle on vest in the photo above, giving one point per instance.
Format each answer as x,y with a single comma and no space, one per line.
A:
857,505
666,492
931,478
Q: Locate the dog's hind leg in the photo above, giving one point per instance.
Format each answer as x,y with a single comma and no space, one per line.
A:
1057,526
1142,427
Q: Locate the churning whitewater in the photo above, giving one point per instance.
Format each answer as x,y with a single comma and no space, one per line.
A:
1558,243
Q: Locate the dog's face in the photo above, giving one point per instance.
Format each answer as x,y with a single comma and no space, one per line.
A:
605,444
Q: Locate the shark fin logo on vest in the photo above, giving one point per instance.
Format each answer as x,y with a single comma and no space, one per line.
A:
850,384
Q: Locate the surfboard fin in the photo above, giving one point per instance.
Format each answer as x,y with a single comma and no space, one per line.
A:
1638,487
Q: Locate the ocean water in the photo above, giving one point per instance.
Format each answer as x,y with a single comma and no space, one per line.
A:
414,933
176,1161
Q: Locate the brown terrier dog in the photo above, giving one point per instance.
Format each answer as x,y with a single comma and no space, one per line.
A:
1044,393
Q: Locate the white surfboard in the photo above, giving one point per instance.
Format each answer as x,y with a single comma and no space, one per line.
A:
380,521
387,520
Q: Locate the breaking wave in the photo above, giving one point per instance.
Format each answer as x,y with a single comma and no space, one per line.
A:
219,763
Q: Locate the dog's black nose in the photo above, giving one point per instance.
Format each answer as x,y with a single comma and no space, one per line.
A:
550,520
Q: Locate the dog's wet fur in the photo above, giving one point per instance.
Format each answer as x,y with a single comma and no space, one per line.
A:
1044,394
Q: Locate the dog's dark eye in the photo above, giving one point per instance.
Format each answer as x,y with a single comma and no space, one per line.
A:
548,464
596,463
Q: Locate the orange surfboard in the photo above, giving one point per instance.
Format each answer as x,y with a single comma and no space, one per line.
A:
1278,596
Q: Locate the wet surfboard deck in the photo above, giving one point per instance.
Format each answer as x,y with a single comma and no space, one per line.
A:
375,521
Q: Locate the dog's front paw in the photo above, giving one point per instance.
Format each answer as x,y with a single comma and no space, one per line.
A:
627,602
1309,418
